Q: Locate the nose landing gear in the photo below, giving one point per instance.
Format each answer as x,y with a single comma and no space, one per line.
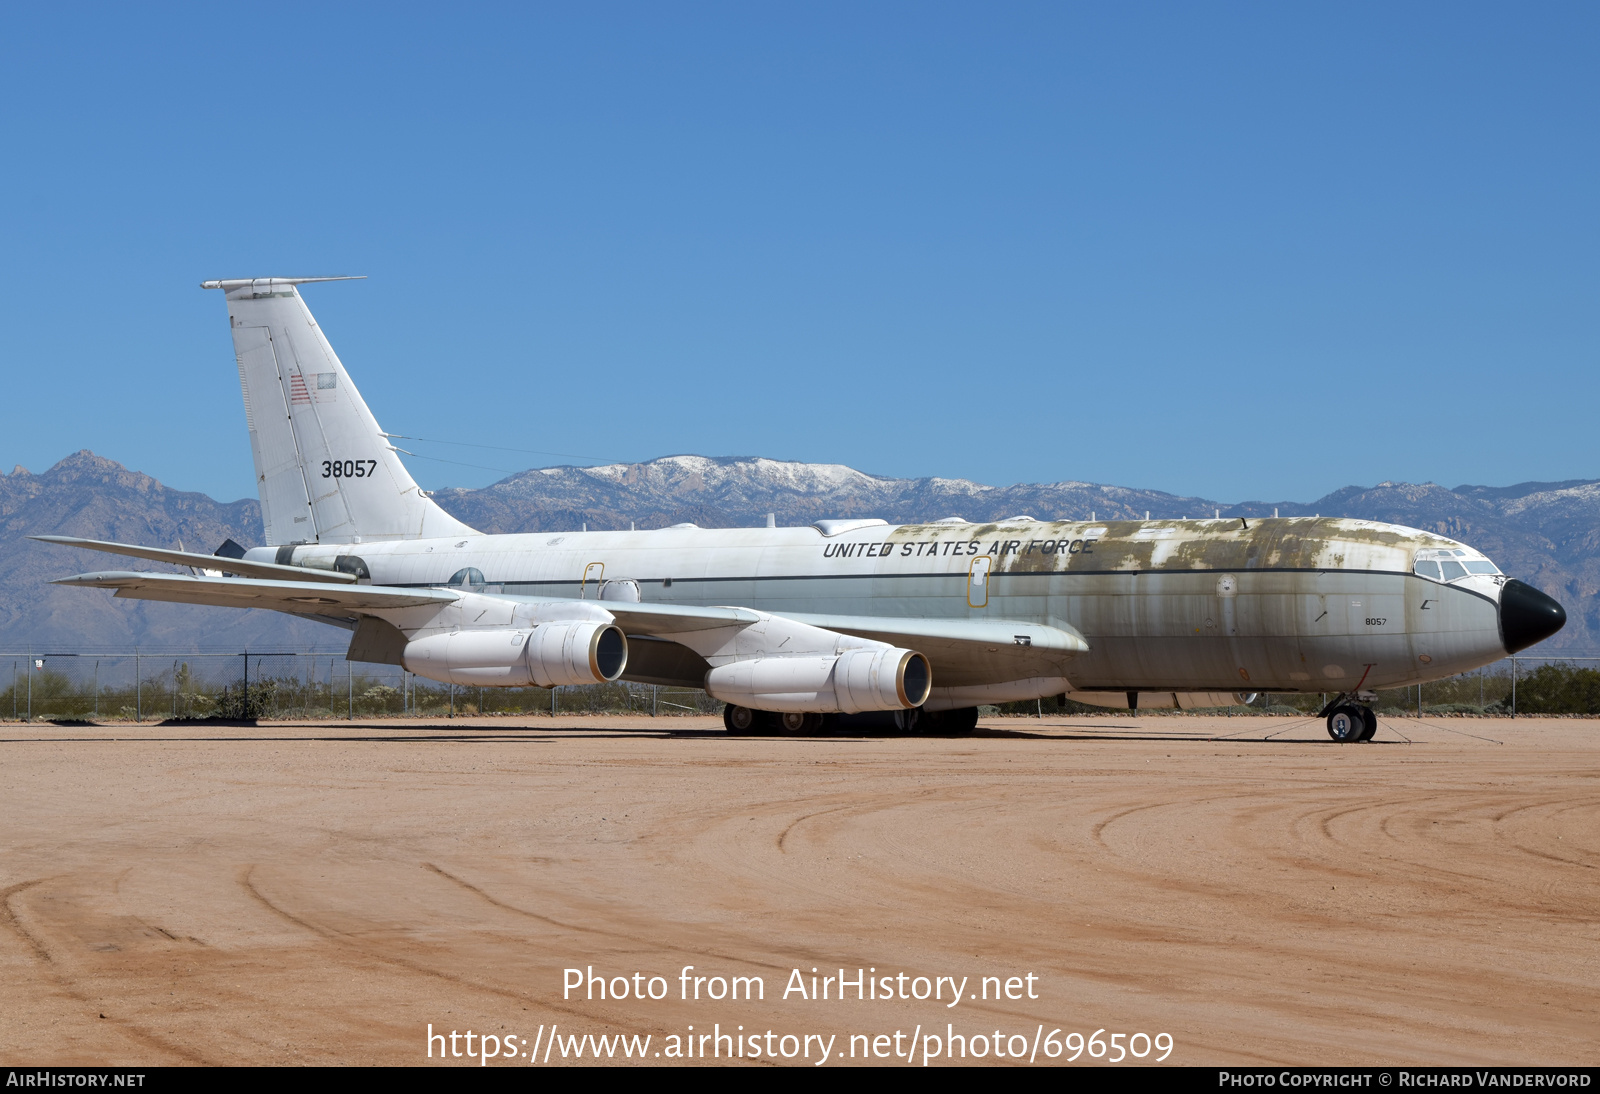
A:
1350,722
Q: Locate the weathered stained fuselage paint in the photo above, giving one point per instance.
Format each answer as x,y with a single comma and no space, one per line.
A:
1293,604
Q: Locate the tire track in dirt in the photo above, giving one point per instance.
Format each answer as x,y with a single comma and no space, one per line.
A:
55,971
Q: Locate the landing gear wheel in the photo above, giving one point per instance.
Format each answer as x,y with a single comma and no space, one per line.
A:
740,719
794,723
1345,724
1370,721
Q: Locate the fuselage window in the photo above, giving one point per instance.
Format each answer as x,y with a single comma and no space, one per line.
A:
1429,570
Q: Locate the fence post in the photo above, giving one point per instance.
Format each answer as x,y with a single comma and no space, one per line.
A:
1513,687
350,683
97,688
138,692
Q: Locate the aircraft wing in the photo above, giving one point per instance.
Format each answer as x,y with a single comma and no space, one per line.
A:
925,634
269,570
312,597
961,651
299,597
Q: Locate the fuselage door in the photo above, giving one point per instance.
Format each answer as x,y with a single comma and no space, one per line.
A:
592,576
978,581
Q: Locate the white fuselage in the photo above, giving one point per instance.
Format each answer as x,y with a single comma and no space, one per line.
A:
1294,604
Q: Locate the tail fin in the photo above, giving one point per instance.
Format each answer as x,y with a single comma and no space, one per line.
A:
325,471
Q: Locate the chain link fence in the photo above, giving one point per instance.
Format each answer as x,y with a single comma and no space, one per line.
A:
1548,685
148,685
242,686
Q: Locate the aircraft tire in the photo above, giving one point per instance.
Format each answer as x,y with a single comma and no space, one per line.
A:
1345,724
795,724
742,720
1370,724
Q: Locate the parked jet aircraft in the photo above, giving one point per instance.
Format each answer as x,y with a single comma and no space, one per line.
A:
791,625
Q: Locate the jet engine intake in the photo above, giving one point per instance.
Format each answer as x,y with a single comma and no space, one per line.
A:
545,655
845,683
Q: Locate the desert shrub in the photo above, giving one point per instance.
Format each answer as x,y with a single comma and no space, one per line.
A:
1557,687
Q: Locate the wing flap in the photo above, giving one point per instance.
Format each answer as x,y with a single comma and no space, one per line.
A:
969,632
967,652
664,619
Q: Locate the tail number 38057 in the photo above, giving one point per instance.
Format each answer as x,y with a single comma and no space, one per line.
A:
348,469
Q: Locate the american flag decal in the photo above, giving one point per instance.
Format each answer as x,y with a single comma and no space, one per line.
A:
297,389
327,386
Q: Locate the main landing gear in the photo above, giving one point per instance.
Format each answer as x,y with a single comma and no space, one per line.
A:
766,723
1350,722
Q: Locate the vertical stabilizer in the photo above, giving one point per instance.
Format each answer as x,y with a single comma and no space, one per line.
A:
325,471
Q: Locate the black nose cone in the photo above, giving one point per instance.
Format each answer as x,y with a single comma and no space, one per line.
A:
1527,616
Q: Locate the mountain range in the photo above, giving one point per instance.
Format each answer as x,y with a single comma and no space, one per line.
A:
1545,533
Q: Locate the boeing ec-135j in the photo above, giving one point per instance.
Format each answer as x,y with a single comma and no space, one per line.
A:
791,627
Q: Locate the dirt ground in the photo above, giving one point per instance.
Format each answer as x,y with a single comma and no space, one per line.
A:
323,893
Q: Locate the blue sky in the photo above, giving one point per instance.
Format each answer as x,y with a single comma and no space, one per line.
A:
1242,251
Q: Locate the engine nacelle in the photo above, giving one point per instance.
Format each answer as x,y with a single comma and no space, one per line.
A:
545,655
576,653
849,682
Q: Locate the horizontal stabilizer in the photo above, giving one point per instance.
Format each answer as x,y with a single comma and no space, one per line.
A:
269,570
300,597
265,284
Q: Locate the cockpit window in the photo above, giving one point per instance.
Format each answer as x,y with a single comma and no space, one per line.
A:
1451,565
